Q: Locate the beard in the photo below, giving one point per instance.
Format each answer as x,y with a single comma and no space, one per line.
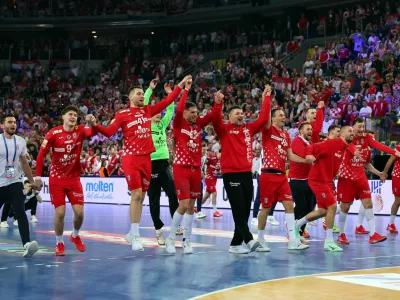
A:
10,131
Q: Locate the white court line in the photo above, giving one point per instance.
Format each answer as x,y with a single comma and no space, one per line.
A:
58,262
112,258
3,268
39,264
130,256
76,260
375,257
94,259
20,266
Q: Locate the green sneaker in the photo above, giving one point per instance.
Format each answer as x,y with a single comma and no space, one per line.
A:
296,231
335,229
331,246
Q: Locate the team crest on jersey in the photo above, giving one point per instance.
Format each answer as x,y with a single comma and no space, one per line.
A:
323,195
74,135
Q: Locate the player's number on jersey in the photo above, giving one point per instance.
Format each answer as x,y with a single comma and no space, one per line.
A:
69,148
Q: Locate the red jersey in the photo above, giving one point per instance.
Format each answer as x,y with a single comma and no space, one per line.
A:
396,168
112,162
66,150
381,108
236,141
213,166
298,170
275,144
329,155
317,125
188,150
136,125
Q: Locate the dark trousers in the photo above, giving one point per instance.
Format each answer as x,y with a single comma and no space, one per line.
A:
161,177
239,189
8,211
200,199
303,197
13,194
257,203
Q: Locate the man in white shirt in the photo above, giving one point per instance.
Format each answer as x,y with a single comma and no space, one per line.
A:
365,111
327,122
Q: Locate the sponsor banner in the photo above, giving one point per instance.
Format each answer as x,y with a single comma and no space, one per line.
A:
115,191
18,65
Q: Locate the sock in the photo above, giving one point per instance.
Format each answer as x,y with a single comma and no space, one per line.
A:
301,222
329,235
361,215
176,220
369,215
261,234
75,233
59,239
289,218
342,222
187,232
215,207
392,219
338,210
135,229
158,231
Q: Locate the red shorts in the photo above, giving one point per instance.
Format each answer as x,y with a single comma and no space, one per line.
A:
274,188
137,170
61,188
396,186
211,185
187,182
324,193
348,190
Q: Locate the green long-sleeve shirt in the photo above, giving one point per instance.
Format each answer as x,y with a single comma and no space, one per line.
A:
158,130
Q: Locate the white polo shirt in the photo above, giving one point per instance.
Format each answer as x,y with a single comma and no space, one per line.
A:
20,150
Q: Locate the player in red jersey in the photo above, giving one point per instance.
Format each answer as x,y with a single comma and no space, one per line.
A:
274,185
316,119
66,143
113,162
187,166
328,156
395,189
353,183
135,122
213,167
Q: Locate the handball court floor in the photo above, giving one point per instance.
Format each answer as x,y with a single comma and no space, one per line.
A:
110,270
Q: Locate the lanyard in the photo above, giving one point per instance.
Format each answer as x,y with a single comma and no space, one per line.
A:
15,148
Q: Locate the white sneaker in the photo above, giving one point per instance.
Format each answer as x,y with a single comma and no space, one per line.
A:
15,222
180,230
272,221
297,245
170,245
304,241
34,219
136,244
263,246
253,245
238,250
4,224
200,215
160,239
128,238
254,222
187,246
30,249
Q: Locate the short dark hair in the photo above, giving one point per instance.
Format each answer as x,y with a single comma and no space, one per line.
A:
233,108
134,87
333,127
273,112
304,124
358,120
308,109
3,118
70,108
189,105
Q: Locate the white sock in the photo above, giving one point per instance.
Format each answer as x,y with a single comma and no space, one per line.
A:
369,215
59,239
188,221
289,218
301,222
361,215
261,234
392,219
134,229
215,207
75,233
176,220
338,210
342,222
329,235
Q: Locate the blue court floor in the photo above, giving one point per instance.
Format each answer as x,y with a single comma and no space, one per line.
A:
110,270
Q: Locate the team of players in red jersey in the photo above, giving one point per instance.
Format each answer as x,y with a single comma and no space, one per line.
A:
349,150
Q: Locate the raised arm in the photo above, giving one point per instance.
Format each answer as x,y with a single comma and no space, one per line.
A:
217,114
318,123
170,109
149,91
180,109
44,149
265,113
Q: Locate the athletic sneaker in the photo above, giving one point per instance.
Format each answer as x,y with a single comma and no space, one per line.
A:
170,245
331,246
297,245
217,214
238,250
392,228
342,239
187,246
128,238
304,241
263,246
253,245
30,249
60,250
80,246
254,222
136,244
180,230
305,234
34,219
160,239
361,230
272,221
335,229
377,238
4,224
200,215
15,222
